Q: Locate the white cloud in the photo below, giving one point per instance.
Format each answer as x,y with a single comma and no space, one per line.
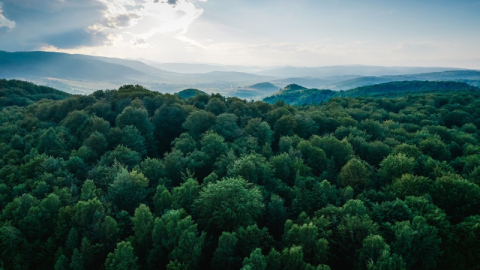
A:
4,22
166,18
141,20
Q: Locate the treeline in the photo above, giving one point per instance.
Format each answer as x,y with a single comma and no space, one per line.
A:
298,95
134,179
21,93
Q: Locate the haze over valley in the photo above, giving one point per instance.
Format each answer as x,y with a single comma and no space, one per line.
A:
82,74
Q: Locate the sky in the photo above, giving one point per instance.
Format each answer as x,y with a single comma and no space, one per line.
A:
251,32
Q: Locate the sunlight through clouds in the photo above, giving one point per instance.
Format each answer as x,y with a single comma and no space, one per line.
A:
4,22
302,32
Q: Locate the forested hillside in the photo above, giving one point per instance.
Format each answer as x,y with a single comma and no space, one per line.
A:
20,93
298,95
134,179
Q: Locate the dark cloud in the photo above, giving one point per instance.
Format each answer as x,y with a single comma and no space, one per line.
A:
171,2
72,39
62,23
139,41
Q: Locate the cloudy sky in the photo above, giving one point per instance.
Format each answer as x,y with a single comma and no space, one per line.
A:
251,32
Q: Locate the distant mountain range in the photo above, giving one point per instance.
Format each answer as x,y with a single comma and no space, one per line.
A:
468,76
21,93
83,74
358,70
299,95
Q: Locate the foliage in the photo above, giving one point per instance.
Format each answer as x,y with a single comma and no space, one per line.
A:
380,177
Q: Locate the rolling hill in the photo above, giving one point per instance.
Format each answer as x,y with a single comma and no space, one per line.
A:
255,91
84,74
60,65
359,70
468,76
21,93
188,93
298,95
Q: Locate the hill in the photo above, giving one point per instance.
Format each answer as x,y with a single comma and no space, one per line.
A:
309,82
21,93
84,74
298,95
60,65
359,70
255,91
188,93
265,86
468,76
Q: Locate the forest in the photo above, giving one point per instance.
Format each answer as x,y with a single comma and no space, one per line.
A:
136,179
298,95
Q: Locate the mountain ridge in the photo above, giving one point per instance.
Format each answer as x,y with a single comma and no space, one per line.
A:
298,95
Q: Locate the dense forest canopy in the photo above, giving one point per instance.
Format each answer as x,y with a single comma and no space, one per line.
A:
134,179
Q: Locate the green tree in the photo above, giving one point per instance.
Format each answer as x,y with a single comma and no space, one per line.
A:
395,166
132,139
227,127
292,258
273,260
457,196
355,174
259,130
227,204
62,263
185,143
375,255
213,146
410,185
276,216
256,261
314,157
176,238
97,142
138,117
77,261
216,106
123,155
128,190
12,247
89,191
254,168
314,248
340,151
142,227
224,256
185,195
285,126
198,122
162,200
312,194
417,243
122,258
168,121
153,169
